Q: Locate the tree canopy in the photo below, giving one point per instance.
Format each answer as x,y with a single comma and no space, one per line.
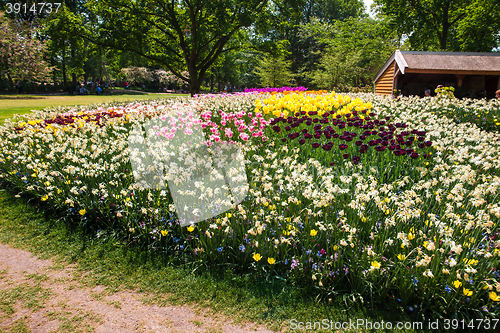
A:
176,35
448,25
21,53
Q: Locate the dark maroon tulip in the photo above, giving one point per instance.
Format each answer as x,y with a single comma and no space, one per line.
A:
414,155
304,131
315,145
421,138
387,118
421,145
288,128
315,120
277,129
283,140
428,143
302,141
345,156
391,147
343,146
327,147
335,135
359,143
380,148
332,164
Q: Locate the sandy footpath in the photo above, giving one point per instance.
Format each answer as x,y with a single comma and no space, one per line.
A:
47,299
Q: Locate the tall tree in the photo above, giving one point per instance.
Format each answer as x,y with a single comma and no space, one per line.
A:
68,49
354,50
274,71
22,54
445,24
176,35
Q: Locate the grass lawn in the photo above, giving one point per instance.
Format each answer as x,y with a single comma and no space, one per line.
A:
21,104
117,266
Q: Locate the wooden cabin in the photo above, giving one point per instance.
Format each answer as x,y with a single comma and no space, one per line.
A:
472,74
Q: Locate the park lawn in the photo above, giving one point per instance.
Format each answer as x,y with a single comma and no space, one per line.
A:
22,104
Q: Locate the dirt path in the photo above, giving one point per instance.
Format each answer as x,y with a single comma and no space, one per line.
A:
36,296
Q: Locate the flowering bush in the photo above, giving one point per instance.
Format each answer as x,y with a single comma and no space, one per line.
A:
353,194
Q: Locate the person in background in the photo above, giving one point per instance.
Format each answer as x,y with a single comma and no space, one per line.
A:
19,87
428,93
497,94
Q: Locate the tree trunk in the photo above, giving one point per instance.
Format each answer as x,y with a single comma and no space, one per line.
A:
194,86
73,75
11,82
65,82
446,26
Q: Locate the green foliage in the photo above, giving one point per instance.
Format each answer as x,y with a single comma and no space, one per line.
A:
178,36
355,50
331,10
274,71
22,54
454,25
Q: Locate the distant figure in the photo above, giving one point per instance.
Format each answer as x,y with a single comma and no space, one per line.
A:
143,87
428,93
98,89
497,94
126,85
83,90
19,87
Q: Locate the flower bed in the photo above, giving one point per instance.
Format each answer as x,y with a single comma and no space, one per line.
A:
356,195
